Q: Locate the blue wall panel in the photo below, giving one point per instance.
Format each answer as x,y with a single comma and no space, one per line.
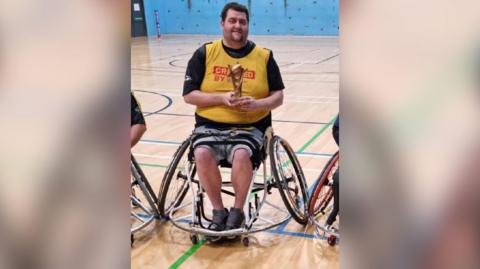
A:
267,17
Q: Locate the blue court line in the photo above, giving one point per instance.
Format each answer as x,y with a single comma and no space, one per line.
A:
280,228
303,235
273,231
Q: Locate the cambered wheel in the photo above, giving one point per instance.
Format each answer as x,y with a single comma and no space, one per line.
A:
175,181
289,178
322,191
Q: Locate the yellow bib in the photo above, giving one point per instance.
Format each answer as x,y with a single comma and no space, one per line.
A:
216,80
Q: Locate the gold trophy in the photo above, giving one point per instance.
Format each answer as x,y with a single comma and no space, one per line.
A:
236,73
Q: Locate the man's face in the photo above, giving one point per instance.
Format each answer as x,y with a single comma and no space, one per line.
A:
235,27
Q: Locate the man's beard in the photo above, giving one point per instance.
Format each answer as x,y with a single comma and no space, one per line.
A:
238,37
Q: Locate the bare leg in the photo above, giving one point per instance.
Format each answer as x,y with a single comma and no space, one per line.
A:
242,172
209,175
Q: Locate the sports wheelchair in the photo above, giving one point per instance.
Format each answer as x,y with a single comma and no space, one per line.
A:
288,178
143,200
320,204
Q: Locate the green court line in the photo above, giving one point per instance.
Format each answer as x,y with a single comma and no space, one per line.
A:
186,255
304,147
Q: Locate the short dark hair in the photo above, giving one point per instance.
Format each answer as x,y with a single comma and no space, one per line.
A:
235,6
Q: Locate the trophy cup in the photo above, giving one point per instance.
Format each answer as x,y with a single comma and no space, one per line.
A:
236,73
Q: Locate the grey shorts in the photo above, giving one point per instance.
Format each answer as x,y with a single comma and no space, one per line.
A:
224,142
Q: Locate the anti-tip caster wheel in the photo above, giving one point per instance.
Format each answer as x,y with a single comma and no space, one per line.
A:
332,240
194,239
245,241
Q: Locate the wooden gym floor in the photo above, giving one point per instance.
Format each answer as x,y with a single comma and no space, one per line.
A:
310,71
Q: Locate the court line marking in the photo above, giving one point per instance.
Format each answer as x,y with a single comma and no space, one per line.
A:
169,102
293,65
187,255
309,142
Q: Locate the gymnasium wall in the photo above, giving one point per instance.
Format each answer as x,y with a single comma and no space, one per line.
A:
267,17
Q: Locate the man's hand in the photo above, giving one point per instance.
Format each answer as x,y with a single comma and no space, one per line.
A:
203,99
246,103
227,98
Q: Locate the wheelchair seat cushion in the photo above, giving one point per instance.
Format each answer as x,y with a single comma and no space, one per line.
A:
224,142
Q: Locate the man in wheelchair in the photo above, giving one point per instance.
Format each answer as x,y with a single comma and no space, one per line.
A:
231,128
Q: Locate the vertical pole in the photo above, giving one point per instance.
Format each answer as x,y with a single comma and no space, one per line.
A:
157,24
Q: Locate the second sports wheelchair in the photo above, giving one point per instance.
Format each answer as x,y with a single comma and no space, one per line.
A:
288,178
320,205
